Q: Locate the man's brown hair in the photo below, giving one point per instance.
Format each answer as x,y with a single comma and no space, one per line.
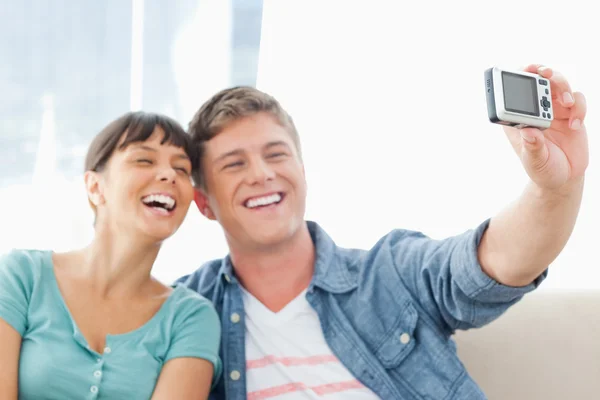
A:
230,105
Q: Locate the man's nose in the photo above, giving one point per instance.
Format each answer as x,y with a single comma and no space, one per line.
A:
260,172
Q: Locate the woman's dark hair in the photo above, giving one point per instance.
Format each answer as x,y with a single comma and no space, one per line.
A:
137,126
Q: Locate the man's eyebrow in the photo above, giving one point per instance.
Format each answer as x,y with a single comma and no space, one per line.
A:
276,143
237,152
234,152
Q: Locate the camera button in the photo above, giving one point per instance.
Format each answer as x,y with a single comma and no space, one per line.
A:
543,82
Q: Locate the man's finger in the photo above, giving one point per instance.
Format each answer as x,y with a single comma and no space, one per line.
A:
562,95
578,112
539,69
561,90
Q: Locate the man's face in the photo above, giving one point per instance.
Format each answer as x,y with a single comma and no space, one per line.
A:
255,183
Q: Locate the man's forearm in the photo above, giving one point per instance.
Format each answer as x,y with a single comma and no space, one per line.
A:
524,239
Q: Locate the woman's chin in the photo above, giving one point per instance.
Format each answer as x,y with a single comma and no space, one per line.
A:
157,234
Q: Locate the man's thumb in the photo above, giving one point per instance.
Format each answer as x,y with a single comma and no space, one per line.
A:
535,152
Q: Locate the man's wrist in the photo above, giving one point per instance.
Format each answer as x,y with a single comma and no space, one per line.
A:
571,188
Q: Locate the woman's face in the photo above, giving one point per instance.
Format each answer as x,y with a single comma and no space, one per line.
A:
145,189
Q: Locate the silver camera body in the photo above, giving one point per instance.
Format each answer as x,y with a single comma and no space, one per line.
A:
518,99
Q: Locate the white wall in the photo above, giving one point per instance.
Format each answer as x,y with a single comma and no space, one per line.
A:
389,100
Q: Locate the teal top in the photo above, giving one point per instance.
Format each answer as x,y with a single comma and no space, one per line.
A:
55,361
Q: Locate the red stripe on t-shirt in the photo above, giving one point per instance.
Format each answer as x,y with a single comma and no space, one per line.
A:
337,387
321,390
291,361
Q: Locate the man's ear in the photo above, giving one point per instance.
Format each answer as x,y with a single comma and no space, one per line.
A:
201,201
93,188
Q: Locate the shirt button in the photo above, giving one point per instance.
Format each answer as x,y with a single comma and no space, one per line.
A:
404,338
235,318
227,278
94,389
98,360
107,350
235,375
98,374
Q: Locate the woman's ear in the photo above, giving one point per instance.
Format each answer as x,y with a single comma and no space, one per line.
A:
201,201
93,188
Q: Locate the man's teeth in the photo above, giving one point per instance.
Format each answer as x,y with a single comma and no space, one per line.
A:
167,201
263,201
161,210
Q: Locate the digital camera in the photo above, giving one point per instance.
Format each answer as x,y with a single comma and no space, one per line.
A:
518,99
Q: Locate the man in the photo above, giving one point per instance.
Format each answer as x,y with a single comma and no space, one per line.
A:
302,318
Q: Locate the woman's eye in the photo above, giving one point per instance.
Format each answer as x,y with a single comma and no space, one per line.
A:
185,171
144,161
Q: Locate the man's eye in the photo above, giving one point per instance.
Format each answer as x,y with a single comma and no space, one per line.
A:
144,161
234,164
276,155
184,170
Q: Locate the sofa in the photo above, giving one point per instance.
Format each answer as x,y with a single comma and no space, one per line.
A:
546,347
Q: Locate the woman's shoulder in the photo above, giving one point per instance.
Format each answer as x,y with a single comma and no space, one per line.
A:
183,298
185,303
24,263
20,274
188,316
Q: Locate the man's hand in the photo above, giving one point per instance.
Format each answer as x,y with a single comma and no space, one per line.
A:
525,238
559,154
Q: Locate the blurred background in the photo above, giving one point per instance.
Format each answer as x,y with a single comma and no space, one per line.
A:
388,98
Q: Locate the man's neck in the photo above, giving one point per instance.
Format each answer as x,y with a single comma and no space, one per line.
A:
277,276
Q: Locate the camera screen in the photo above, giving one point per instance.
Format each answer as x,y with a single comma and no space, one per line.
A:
520,94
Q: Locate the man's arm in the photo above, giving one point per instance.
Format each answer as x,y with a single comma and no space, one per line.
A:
469,280
445,278
524,239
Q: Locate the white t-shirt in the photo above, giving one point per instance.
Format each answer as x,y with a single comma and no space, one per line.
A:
287,357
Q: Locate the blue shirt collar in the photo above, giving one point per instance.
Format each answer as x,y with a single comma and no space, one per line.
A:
331,273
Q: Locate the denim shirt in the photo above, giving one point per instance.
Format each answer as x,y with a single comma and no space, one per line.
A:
387,313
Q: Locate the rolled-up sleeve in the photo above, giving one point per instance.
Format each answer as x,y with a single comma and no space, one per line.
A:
445,276
476,284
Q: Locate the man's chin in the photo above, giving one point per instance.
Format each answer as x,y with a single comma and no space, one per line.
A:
271,239
265,237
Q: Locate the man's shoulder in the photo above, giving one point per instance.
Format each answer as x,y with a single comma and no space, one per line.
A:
390,241
203,279
340,267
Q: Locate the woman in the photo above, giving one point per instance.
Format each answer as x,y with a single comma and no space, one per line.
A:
93,323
